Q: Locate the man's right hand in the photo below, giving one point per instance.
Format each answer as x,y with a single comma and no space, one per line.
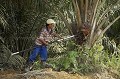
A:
43,42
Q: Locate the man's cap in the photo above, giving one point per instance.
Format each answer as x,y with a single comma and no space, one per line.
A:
50,21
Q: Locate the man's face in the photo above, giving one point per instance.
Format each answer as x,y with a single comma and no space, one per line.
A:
51,25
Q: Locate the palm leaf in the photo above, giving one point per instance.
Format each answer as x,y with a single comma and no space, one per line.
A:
77,11
100,19
7,58
109,25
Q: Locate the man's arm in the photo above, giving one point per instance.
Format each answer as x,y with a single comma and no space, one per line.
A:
43,41
41,37
57,35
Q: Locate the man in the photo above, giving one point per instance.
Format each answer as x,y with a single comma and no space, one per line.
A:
46,35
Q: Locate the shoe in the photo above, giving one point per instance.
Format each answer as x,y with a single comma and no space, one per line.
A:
46,65
29,66
27,69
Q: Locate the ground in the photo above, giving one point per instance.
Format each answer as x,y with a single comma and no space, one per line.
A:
40,74
48,73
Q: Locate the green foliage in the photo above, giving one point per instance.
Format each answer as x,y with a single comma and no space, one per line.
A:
69,60
113,32
21,19
7,60
96,59
89,59
86,60
16,61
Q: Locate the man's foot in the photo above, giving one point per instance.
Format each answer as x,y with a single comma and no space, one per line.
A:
29,67
46,65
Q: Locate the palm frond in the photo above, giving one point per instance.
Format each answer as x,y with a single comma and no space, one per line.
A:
77,12
109,25
7,58
86,10
2,17
1,39
101,20
94,12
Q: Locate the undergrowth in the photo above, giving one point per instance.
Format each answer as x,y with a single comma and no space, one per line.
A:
81,59
88,60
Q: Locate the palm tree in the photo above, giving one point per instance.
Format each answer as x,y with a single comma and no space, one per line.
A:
20,20
96,13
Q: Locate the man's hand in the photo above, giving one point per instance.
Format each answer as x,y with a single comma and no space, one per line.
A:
43,42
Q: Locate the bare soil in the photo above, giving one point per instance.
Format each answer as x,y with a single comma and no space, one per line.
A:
48,73
40,74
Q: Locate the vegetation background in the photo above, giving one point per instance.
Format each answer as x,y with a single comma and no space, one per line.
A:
99,50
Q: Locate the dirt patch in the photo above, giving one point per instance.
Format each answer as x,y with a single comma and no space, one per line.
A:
8,74
40,74
48,73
